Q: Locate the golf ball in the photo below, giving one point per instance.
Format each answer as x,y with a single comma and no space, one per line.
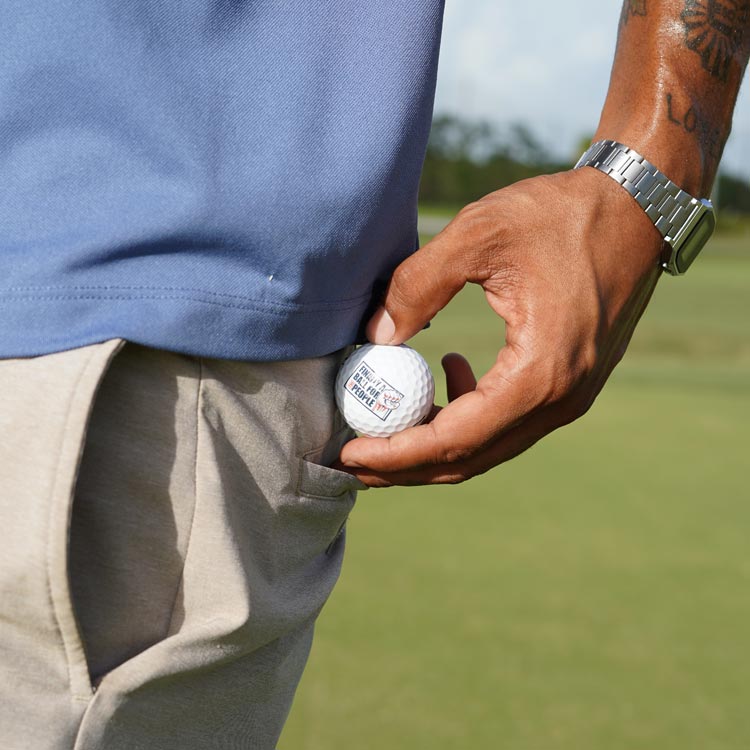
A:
381,390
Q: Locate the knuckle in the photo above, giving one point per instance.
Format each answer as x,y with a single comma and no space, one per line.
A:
470,210
454,455
478,221
442,451
414,283
404,282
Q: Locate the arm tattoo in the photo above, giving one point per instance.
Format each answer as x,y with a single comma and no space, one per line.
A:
692,121
715,29
632,8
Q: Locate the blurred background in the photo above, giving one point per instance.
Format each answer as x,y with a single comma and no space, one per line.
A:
595,592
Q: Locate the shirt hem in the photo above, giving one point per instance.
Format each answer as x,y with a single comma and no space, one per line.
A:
202,324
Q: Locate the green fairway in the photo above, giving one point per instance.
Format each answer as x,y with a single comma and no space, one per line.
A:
593,594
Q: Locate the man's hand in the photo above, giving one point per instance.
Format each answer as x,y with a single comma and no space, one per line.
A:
569,261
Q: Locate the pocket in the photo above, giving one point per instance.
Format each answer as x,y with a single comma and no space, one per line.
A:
318,479
94,362
332,491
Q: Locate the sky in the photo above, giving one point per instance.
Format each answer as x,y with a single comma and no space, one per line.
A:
546,64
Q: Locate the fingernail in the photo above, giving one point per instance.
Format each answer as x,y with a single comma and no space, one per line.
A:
381,328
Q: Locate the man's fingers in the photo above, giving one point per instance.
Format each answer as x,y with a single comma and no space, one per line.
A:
459,376
521,399
510,445
419,288
428,444
462,429
506,446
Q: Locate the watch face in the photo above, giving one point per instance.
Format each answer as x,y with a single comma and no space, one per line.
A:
695,241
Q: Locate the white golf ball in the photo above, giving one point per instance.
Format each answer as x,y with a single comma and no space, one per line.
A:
381,390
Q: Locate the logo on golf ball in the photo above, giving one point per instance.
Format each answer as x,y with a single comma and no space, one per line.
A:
374,393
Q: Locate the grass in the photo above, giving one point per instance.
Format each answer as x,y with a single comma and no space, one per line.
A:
594,593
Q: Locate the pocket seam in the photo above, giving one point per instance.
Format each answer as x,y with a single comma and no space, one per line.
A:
307,459
300,487
61,597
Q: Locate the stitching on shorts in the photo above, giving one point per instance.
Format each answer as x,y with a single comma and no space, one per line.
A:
50,530
198,403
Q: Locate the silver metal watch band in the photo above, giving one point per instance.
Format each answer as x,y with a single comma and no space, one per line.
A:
668,207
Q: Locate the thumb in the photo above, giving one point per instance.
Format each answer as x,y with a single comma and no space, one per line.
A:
420,287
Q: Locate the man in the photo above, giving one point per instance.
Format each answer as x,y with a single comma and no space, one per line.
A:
221,185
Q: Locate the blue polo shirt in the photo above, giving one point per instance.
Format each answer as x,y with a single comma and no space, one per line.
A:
226,179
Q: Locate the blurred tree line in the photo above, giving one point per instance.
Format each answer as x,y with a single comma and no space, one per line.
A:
466,160
733,194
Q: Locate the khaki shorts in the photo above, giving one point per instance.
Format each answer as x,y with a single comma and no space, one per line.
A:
168,534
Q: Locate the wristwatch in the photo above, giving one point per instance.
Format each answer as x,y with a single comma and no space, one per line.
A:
685,222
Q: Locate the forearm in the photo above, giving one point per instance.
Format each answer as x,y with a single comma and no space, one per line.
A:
677,71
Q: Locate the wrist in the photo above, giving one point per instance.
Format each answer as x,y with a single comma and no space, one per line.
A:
610,204
678,157
684,221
